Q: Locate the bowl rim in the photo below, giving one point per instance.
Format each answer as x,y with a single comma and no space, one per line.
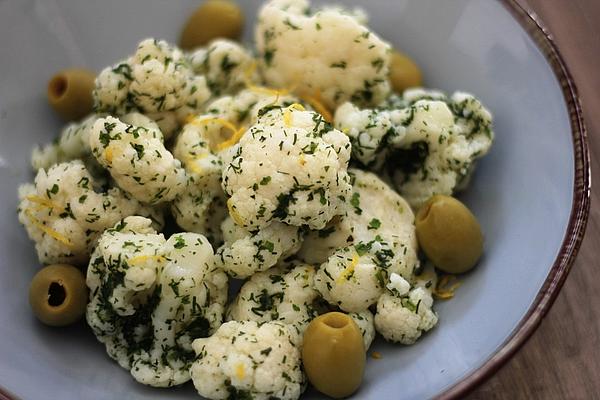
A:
578,218
576,227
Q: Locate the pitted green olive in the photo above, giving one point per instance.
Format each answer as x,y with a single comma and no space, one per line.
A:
404,72
58,295
70,93
213,19
333,354
449,234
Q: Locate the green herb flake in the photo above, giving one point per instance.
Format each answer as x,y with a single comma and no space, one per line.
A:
374,224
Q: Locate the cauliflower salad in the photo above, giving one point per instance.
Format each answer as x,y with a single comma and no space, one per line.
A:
297,170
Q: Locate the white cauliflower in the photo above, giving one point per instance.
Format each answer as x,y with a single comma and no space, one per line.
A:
375,238
64,212
248,360
200,207
151,297
328,54
111,92
137,160
72,144
157,80
428,142
286,293
365,322
371,132
282,293
404,318
225,64
247,252
290,166
242,109
204,143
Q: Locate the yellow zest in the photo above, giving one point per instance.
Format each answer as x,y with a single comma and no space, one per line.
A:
42,201
191,162
240,371
235,215
205,121
108,154
143,258
346,130
318,106
350,270
376,355
236,132
301,159
446,287
50,232
287,113
237,135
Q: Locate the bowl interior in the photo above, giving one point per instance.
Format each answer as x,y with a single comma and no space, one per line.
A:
521,192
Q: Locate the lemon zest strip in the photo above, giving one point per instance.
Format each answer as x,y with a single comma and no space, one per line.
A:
108,154
49,231
446,287
235,215
350,270
42,201
191,162
240,371
142,258
237,135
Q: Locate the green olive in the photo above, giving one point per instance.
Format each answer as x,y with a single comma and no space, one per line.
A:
70,93
58,295
449,234
333,354
213,19
404,72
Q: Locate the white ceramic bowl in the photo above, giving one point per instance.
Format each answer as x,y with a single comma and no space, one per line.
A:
531,193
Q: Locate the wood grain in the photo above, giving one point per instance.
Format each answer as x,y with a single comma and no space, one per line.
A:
562,358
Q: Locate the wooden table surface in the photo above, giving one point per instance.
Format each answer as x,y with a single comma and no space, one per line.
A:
562,358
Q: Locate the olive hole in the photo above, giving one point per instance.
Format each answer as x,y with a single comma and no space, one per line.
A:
336,321
56,294
58,86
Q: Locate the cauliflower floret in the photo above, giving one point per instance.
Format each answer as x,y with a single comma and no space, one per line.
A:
162,78
246,252
290,166
137,160
365,322
72,144
428,142
398,285
286,293
371,132
201,206
112,89
157,80
151,297
403,319
64,212
279,294
242,109
199,210
328,54
375,238
248,360
225,64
